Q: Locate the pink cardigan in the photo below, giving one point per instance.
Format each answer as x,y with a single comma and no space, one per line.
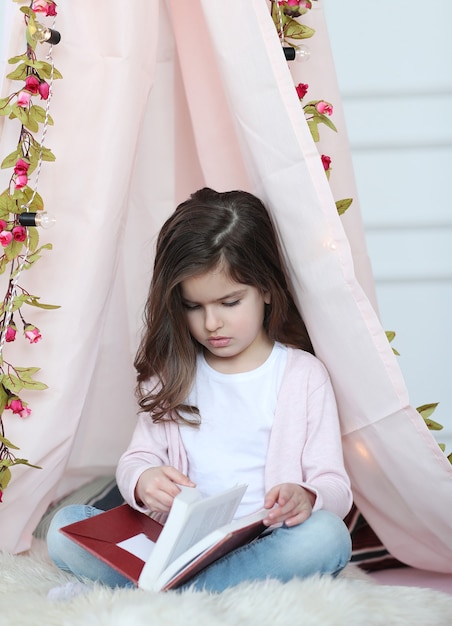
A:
304,448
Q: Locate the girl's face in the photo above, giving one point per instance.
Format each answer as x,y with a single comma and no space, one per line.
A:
226,318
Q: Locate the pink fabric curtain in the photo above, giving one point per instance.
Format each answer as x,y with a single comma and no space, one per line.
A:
155,103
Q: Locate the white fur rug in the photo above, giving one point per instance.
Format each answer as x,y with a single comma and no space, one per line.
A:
350,600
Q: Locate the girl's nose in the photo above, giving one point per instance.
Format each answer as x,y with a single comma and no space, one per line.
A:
212,320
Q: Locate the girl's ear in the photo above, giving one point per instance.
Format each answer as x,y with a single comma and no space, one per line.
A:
267,297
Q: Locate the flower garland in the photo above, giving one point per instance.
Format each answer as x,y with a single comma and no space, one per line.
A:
21,209
317,112
284,14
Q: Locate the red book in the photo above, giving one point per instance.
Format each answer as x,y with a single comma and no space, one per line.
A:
156,556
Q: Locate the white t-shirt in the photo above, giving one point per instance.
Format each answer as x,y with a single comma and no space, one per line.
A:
230,445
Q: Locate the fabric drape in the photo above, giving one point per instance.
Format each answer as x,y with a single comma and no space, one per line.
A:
155,103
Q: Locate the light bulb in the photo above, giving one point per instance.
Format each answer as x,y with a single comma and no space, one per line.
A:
44,220
302,54
42,34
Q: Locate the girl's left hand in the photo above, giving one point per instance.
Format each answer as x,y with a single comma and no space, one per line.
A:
289,503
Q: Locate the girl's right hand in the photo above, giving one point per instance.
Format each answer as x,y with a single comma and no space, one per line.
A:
158,486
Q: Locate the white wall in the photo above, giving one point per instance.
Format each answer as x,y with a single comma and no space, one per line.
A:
394,67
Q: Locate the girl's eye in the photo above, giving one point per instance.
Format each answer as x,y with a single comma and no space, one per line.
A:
233,303
190,307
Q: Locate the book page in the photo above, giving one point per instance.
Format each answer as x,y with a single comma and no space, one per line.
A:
187,523
138,545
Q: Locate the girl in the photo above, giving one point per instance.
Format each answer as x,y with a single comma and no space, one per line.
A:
230,393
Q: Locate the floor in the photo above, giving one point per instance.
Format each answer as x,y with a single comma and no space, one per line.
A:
411,577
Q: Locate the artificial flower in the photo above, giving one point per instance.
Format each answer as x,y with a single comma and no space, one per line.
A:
21,167
326,161
23,99
5,238
324,108
302,90
295,8
19,233
11,332
3,225
32,333
45,7
17,407
32,84
44,90
21,181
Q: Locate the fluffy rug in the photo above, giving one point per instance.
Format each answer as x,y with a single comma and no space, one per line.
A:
350,600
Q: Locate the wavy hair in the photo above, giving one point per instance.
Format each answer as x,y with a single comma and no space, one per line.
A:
231,228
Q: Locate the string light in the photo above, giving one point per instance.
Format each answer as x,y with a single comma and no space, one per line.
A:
42,219
300,53
42,34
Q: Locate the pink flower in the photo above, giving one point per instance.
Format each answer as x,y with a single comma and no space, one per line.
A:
5,238
302,90
21,167
44,90
324,108
47,7
32,333
3,225
32,84
326,161
23,99
21,181
1,495
11,332
18,408
19,233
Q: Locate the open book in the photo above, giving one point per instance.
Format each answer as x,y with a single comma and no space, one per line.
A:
156,556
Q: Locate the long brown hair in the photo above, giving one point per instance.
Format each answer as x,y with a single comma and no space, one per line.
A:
232,228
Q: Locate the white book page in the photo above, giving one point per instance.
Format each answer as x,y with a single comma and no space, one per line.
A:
187,523
184,561
138,545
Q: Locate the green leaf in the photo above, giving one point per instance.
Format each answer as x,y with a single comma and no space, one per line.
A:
432,425
5,106
390,334
314,130
22,57
13,249
33,239
7,205
5,477
39,115
47,155
427,409
8,443
25,462
45,71
34,385
33,301
295,30
343,205
450,457
12,384
3,398
20,73
10,160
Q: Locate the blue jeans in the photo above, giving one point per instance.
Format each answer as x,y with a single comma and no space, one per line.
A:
320,545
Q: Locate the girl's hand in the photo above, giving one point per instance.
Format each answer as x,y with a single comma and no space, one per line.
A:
158,486
289,503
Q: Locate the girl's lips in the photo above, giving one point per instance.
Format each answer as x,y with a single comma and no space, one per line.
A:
219,342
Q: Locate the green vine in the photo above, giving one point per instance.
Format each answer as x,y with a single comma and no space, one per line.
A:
21,210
